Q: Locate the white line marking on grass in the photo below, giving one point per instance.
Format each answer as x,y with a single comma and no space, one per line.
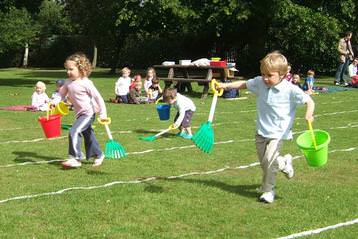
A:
14,129
129,153
141,180
334,113
31,140
136,181
319,230
350,125
57,138
31,163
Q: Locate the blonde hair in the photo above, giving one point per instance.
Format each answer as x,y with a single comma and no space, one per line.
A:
40,85
125,70
169,94
310,73
82,62
296,78
154,73
274,62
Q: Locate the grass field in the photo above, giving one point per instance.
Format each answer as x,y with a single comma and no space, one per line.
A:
168,188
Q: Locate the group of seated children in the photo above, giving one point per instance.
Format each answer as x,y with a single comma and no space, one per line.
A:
308,84
129,90
40,100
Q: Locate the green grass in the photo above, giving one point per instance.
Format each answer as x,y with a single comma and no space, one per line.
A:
217,205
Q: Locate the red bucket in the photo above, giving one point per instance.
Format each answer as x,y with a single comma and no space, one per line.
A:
51,126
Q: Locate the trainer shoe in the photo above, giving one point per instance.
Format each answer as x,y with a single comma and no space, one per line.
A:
186,136
336,83
267,197
288,169
98,161
345,84
71,163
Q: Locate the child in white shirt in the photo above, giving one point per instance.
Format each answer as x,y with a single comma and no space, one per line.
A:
276,104
122,86
39,99
186,109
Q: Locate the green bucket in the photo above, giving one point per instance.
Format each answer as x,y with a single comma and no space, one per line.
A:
315,157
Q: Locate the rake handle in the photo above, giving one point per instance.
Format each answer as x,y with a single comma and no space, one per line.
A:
163,132
213,85
212,108
108,132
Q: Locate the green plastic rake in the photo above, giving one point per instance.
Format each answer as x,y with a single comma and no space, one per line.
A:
154,137
113,149
204,137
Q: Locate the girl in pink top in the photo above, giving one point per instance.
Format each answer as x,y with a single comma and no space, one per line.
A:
86,101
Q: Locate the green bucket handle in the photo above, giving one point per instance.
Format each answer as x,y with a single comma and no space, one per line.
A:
312,134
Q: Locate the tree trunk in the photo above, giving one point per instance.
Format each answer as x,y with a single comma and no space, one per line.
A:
94,61
115,59
26,56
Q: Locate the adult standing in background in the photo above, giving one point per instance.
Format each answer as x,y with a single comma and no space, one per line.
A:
346,55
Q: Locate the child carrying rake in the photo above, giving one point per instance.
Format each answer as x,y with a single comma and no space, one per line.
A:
276,105
86,101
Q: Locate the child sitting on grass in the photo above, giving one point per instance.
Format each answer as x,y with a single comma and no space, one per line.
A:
308,84
39,99
122,86
186,109
154,91
151,75
56,96
136,78
296,80
276,104
135,94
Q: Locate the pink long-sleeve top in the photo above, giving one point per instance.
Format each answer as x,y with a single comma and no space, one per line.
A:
85,97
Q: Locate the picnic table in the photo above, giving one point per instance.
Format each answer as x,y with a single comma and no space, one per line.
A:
185,74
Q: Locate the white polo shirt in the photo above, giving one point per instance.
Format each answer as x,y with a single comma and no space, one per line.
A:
276,106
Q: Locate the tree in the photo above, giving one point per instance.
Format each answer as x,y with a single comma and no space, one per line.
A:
17,30
52,19
308,38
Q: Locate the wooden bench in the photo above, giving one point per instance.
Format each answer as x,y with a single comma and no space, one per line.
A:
183,75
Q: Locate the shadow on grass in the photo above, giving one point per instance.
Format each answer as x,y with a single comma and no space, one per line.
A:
154,132
151,188
249,191
21,82
23,156
193,94
95,171
243,190
61,74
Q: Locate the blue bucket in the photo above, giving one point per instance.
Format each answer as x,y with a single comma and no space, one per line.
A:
163,111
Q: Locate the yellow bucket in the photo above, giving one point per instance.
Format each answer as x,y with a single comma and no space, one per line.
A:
60,109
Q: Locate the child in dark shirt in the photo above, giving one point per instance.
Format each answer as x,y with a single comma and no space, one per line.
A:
154,91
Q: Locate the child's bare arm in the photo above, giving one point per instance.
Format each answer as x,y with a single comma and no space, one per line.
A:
310,110
235,85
